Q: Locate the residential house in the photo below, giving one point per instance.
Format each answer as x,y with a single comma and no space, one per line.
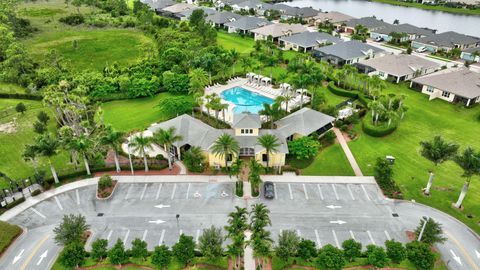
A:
397,68
471,54
459,86
219,19
332,17
277,30
245,24
348,52
446,41
257,6
401,33
158,5
176,8
371,23
306,41
185,15
246,129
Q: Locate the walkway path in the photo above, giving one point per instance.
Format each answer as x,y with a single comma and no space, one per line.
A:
347,152
249,260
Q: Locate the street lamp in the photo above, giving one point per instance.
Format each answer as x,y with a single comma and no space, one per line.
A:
423,228
178,227
130,157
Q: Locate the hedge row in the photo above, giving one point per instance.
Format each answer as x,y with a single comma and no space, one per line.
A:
341,92
377,131
20,96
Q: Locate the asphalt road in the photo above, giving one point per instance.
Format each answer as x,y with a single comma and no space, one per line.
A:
324,213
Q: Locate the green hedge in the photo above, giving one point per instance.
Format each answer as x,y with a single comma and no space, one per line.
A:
15,203
9,233
377,131
341,92
20,96
363,99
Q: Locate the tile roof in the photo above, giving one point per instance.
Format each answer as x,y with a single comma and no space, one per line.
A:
462,82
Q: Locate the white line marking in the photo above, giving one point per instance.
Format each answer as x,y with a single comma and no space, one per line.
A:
58,203
455,257
281,230
196,237
335,191
144,235
336,239
143,192
387,235
173,191
158,191
305,191
38,213
320,191
126,237
18,257
352,235
109,235
290,190
78,196
128,191
299,233
365,191
160,242
180,232
371,237
276,193
188,190
319,244
351,193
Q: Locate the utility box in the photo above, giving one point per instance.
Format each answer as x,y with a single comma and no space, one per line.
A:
390,159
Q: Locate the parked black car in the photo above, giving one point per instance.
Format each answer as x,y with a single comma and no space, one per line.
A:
268,190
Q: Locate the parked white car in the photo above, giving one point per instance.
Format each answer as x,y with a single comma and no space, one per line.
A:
421,49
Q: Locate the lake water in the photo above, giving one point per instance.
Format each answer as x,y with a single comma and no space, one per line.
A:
441,21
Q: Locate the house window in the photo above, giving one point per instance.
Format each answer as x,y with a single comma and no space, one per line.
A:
381,73
445,94
430,89
251,131
242,131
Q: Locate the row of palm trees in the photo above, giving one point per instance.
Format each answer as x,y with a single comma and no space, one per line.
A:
387,108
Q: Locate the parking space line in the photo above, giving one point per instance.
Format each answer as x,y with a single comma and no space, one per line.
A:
387,235
336,239
352,235
188,190
144,235
335,191
162,235
351,193
78,196
180,232
173,191
305,191
276,193
290,190
196,237
320,191
38,213
365,191
143,192
109,235
58,203
158,191
371,238
128,191
126,237
319,244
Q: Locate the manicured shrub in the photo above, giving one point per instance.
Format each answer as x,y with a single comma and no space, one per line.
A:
341,92
330,257
304,147
351,249
421,255
105,182
395,251
376,256
73,19
377,131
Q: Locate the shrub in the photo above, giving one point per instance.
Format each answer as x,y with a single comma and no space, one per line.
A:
376,256
39,127
73,19
15,203
304,147
420,255
43,117
377,131
21,108
36,192
105,182
194,159
383,173
395,251
329,137
341,92
330,257
239,188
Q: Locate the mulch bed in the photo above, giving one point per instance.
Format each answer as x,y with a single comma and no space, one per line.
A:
175,170
104,193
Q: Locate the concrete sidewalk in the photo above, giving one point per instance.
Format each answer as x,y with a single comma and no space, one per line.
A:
348,153
319,179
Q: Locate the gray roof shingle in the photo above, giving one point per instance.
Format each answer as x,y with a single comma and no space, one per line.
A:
311,39
246,120
223,17
448,39
400,65
248,23
369,22
462,82
304,121
405,28
349,49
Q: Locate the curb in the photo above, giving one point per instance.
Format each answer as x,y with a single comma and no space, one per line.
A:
109,196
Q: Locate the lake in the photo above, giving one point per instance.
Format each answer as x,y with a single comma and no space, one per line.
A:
438,20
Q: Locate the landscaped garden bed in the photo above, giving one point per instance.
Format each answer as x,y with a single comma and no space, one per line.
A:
106,186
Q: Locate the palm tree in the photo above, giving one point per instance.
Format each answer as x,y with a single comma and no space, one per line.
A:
225,146
270,143
377,108
437,151
286,97
391,115
113,140
198,79
30,153
237,224
377,84
246,63
47,146
469,160
141,144
300,82
234,55
167,138
82,145
261,240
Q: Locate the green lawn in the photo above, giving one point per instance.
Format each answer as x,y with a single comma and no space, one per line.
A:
330,161
8,233
233,41
424,120
134,114
11,89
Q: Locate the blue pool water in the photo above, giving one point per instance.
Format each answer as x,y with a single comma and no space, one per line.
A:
244,100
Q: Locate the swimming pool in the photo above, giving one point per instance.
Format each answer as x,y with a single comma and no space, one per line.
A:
244,100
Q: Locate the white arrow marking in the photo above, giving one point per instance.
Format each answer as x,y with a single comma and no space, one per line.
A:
224,194
43,256
477,253
197,194
158,221
455,257
15,260
162,206
333,206
338,222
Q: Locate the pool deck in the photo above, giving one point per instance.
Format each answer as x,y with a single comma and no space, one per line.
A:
266,91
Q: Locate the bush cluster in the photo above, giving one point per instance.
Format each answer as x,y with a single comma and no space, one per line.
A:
105,182
73,19
341,92
378,131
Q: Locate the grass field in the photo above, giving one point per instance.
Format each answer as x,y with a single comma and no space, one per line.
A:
96,47
11,88
136,114
8,233
242,45
331,161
